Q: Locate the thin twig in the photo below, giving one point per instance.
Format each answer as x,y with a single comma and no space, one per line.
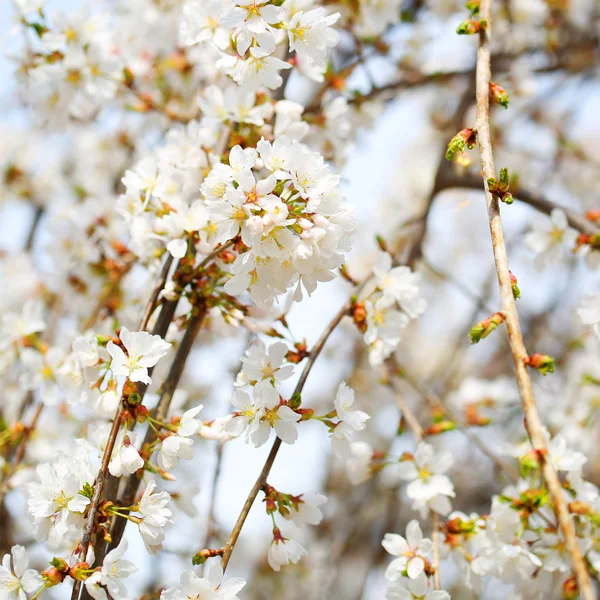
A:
93,507
415,426
533,422
262,478
435,401
20,452
160,284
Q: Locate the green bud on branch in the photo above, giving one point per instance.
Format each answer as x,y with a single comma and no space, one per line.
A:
467,138
500,187
499,94
542,362
485,327
471,27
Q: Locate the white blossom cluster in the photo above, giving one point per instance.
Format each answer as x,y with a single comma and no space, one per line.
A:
183,159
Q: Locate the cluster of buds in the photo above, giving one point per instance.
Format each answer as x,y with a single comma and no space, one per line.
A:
458,530
542,362
499,187
499,94
279,502
471,26
528,502
485,327
467,138
299,354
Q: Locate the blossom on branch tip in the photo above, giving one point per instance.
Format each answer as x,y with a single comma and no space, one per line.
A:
211,587
143,352
16,580
412,552
114,569
283,551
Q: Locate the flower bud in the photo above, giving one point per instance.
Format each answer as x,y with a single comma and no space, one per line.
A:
463,139
542,362
53,576
60,564
473,6
201,557
440,427
499,94
570,589
593,215
485,327
515,288
78,571
471,26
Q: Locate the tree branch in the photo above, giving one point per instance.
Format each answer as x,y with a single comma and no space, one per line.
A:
262,478
532,419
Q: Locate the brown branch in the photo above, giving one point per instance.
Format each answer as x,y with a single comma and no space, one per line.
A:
93,507
20,452
262,478
449,180
415,426
533,422
168,389
160,284
434,401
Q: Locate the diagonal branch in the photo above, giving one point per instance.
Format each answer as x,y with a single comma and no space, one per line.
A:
533,422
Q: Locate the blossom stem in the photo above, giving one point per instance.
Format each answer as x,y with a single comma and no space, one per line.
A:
20,452
93,507
262,478
415,426
152,302
533,422
168,389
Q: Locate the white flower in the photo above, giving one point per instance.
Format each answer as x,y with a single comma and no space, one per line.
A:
86,350
172,448
126,460
416,589
305,509
217,430
17,580
155,516
358,463
564,458
258,416
399,284
143,352
189,425
16,326
549,238
114,568
384,328
200,23
429,486
210,587
261,68
251,19
283,551
262,363
412,551
589,312
349,420
55,500
310,35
